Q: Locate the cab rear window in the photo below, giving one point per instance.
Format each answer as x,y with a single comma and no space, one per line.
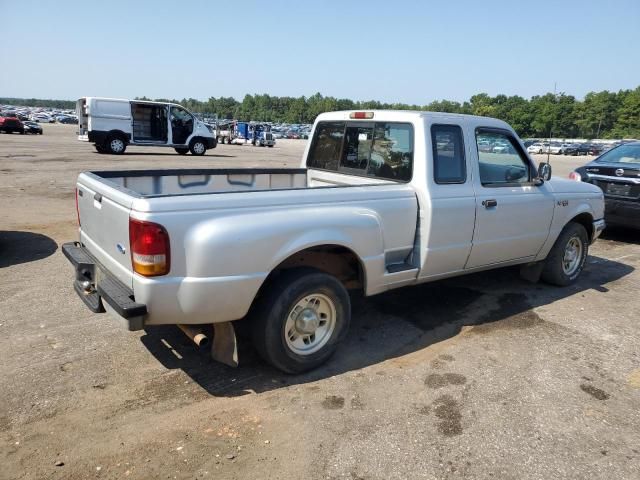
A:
370,149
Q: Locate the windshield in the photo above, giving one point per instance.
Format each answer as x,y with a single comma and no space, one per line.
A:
622,154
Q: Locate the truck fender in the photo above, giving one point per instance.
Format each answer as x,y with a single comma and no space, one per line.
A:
562,215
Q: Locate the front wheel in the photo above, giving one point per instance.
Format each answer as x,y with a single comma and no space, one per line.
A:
197,147
567,257
300,319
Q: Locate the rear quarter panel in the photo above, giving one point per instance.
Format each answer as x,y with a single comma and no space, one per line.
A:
224,246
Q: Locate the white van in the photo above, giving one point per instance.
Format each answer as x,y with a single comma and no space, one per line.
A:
112,124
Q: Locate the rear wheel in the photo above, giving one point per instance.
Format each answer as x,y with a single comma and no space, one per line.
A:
197,147
182,151
567,257
300,319
116,145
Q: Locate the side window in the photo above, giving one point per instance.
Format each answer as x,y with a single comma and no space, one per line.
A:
327,145
180,116
448,154
500,160
392,151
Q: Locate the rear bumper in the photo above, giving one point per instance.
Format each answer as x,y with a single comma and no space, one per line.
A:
94,284
211,143
622,213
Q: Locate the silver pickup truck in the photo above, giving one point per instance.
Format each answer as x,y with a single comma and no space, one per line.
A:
383,199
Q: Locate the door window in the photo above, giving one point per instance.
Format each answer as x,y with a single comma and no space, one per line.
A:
501,161
448,154
181,125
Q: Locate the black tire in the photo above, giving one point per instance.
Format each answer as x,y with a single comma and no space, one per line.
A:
553,271
270,146
197,147
270,313
182,151
21,132
115,145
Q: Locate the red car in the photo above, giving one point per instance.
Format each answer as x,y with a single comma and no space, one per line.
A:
10,124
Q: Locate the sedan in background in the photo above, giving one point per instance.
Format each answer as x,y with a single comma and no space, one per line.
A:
583,149
32,127
617,173
535,148
570,149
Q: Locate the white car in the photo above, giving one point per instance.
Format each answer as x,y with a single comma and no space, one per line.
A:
536,148
556,149
42,118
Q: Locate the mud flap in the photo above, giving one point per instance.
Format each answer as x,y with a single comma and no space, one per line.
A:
224,348
531,271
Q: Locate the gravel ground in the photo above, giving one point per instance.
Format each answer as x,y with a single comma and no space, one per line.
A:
484,376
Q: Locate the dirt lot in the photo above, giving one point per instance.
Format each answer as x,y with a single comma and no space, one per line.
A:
480,377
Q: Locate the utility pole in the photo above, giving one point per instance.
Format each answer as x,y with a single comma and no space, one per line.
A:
555,84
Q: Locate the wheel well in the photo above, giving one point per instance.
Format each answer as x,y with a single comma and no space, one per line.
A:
335,260
118,133
586,220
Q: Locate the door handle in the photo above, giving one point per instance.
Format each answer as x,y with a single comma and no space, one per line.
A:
490,203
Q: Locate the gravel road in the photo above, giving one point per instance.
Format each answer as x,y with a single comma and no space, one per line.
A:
479,377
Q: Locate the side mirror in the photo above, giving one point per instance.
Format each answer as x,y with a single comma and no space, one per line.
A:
544,171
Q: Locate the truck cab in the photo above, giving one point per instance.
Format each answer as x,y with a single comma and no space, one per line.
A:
113,124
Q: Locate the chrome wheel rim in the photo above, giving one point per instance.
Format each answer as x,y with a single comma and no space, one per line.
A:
198,147
310,324
117,145
572,256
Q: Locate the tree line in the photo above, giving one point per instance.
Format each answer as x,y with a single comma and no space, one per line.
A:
599,115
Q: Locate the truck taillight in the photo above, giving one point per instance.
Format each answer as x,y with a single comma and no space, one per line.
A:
575,176
361,115
77,208
149,246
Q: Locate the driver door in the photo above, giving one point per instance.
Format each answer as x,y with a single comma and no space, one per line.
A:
513,214
181,125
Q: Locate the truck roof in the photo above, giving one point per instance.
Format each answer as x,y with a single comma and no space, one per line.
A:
404,115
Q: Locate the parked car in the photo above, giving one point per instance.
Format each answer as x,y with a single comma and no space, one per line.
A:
67,120
32,127
595,149
555,149
42,118
535,148
280,248
617,173
500,148
10,123
570,149
583,149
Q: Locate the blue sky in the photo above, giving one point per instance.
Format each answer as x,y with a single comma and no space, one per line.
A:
394,50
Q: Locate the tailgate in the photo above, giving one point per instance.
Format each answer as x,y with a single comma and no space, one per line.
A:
104,225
